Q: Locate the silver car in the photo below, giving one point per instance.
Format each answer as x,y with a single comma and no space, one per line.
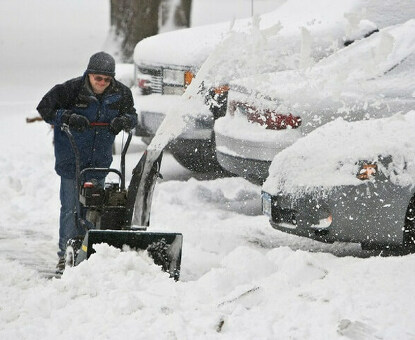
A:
347,182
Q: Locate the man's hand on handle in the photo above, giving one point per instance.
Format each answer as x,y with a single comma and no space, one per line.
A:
120,123
75,122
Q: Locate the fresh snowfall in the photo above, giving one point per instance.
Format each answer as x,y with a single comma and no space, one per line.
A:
240,278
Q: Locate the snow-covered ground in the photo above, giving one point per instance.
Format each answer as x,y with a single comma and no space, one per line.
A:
240,278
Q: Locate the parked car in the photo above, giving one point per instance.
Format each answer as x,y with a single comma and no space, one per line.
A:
293,33
347,182
368,79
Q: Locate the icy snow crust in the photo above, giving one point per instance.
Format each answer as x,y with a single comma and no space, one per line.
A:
329,156
240,278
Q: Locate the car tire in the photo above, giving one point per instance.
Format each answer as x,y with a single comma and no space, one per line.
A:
197,164
197,155
409,228
408,244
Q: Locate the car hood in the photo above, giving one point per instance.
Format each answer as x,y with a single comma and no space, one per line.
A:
329,156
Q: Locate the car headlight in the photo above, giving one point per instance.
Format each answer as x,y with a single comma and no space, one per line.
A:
175,77
176,90
368,170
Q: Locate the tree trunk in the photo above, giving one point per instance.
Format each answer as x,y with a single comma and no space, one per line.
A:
175,14
134,20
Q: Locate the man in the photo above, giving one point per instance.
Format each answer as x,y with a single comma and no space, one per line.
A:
96,97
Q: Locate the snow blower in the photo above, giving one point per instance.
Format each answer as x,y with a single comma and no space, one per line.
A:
106,213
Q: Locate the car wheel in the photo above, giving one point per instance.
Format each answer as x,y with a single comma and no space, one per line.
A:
196,164
196,155
409,228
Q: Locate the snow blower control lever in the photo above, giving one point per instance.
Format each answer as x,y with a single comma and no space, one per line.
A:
106,213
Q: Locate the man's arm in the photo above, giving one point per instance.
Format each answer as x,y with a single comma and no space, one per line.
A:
56,102
127,107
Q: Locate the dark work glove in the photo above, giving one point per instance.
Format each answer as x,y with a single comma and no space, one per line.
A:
75,122
120,123
65,116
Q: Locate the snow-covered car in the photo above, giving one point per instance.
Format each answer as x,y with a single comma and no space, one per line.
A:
347,182
295,33
371,78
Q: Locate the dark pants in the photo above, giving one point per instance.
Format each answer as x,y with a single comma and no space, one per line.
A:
67,224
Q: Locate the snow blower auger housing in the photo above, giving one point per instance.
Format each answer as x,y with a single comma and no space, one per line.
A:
106,213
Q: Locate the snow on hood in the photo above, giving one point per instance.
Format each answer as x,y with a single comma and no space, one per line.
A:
190,47
330,155
365,59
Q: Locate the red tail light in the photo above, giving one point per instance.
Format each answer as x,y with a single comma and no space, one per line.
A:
88,185
270,119
142,83
274,121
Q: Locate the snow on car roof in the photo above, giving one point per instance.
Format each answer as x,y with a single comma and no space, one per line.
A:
330,155
192,46
342,71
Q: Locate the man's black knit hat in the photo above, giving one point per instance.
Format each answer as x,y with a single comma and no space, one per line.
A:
101,63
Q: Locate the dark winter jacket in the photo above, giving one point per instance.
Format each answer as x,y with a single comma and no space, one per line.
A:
94,144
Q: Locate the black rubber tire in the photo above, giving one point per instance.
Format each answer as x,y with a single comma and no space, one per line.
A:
197,155
196,163
409,228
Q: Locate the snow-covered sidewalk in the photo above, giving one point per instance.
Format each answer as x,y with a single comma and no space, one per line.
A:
240,278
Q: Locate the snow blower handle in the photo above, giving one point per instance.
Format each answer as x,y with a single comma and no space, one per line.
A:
65,128
99,124
78,173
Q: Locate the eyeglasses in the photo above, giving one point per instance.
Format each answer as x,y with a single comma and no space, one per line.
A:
100,78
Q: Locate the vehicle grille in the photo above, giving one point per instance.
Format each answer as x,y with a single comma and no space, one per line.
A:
285,216
156,78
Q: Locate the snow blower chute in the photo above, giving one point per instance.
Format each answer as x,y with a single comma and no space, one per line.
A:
106,213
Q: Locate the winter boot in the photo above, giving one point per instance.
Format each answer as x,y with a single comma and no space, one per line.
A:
60,267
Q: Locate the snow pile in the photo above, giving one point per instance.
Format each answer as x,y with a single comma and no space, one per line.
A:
279,293
313,162
344,71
